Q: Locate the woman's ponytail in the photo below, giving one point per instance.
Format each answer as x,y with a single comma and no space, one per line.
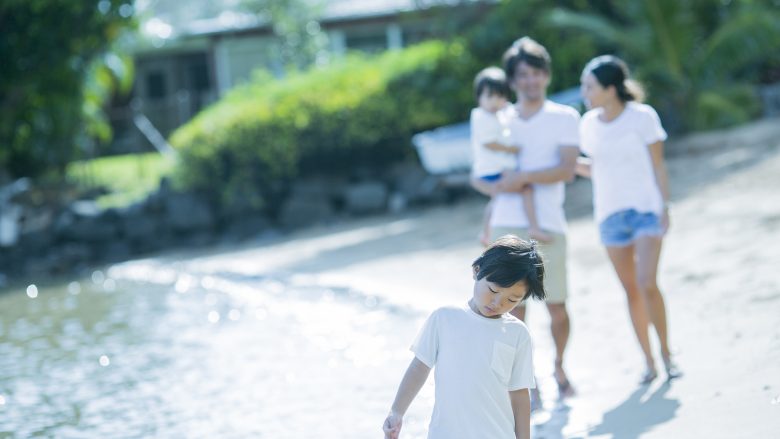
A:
631,91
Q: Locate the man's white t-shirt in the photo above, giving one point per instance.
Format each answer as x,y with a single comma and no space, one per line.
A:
622,169
487,127
476,361
541,136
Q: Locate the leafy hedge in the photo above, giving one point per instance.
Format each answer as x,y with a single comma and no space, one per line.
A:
357,113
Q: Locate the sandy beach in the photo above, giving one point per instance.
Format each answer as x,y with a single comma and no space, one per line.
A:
719,273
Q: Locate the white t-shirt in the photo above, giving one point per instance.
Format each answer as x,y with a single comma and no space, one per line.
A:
541,136
622,169
487,127
476,362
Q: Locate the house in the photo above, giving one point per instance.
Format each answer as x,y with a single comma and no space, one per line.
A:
190,59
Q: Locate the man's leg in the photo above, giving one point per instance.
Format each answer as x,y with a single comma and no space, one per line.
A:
556,285
560,328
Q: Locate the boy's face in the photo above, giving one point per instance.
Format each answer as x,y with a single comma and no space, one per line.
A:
491,102
530,83
492,300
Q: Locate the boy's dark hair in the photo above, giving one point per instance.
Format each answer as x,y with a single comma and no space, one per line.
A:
525,50
510,260
493,80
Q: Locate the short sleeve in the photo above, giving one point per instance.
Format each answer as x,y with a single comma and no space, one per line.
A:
650,129
426,345
523,368
569,129
586,146
484,129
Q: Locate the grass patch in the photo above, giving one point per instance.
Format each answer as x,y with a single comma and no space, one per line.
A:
129,178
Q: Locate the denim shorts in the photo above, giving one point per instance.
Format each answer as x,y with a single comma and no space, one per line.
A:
622,228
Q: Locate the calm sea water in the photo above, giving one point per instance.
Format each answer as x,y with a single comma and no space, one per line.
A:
146,350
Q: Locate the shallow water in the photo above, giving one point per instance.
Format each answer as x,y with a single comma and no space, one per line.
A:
145,350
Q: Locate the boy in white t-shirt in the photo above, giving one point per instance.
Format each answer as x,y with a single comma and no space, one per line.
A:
490,140
481,353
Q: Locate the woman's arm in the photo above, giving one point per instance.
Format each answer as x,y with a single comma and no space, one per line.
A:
583,167
413,380
521,408
661,178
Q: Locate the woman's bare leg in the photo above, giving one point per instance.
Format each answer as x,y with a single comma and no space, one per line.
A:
648,252
623,261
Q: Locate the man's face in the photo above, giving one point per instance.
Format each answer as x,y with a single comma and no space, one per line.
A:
530,83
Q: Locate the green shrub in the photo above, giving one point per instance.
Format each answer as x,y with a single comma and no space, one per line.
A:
357,113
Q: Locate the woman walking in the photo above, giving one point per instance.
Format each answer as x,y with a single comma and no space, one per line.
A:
624,142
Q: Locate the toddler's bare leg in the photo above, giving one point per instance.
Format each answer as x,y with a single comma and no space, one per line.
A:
484,236
534,231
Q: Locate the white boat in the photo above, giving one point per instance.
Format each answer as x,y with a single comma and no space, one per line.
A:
446,152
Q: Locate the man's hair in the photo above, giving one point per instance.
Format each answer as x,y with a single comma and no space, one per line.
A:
510,260
525,50
493,80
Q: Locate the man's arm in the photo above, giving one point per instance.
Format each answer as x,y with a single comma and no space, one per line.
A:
514,181
521,409
413,380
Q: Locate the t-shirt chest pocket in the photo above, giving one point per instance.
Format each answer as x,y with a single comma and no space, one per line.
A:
502,361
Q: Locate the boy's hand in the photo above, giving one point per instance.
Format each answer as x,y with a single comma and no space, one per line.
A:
392,425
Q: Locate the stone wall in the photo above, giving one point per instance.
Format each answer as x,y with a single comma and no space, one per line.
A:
49,240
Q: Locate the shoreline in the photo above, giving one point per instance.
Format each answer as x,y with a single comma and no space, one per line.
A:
718,274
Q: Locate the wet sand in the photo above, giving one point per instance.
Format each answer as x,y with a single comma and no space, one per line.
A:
720,273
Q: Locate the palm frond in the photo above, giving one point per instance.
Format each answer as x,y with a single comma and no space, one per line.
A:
628,39
747,37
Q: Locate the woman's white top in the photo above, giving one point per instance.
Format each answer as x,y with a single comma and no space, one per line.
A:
622,170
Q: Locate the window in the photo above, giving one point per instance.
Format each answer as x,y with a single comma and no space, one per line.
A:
371,43
155,85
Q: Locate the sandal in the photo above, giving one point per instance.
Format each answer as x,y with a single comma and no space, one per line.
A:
649,376
565,388
672,371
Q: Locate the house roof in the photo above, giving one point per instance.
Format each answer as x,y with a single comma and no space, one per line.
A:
174,18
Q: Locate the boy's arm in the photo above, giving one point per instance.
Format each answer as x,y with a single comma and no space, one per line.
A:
413,380
514,181
521,408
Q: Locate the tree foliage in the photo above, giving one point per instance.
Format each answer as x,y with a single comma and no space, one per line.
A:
699,58
55,75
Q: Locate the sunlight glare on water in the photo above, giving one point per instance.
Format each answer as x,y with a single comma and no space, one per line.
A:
152,351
